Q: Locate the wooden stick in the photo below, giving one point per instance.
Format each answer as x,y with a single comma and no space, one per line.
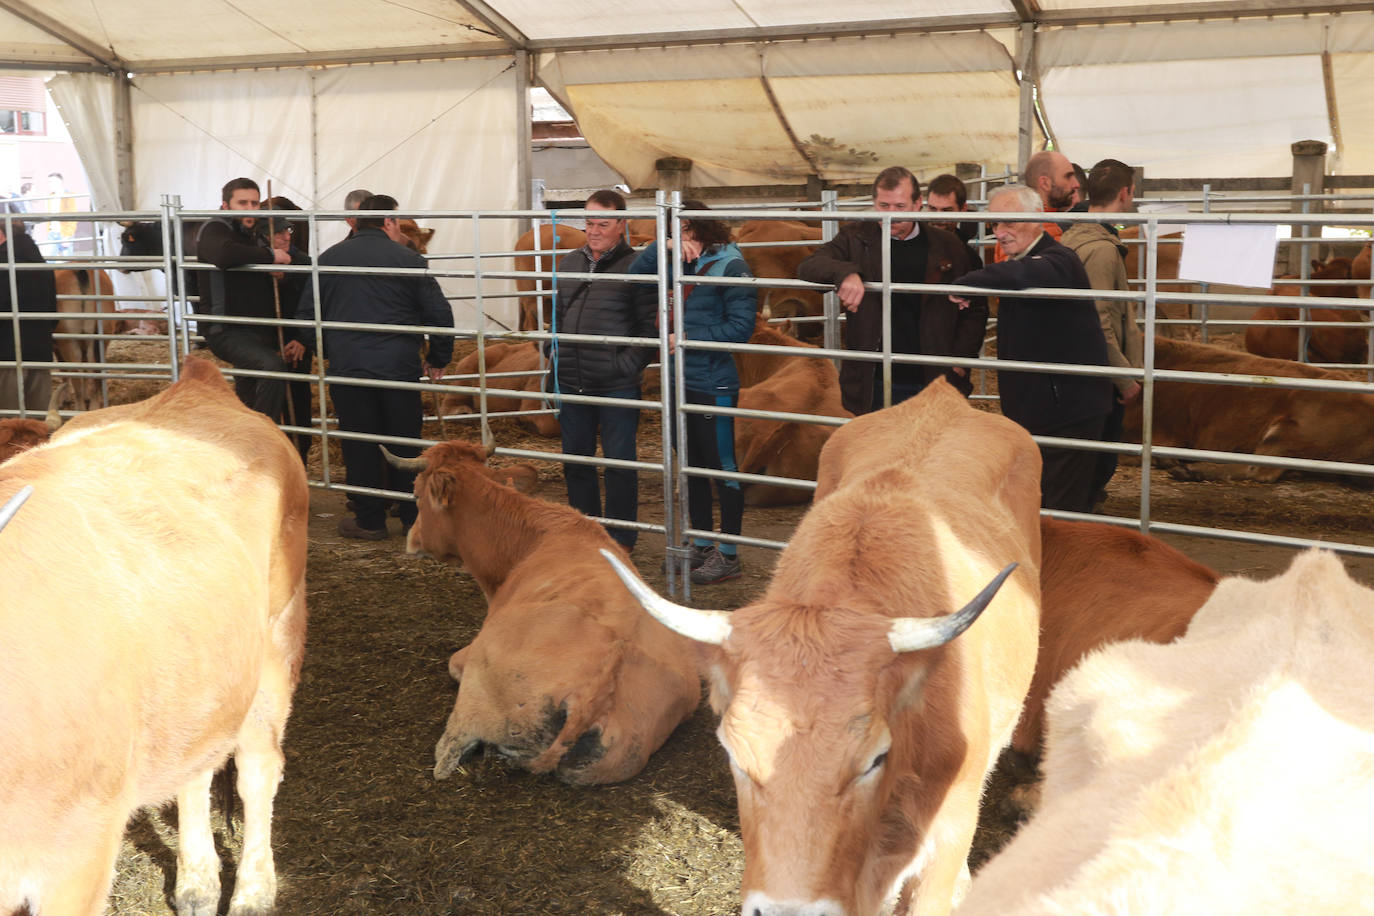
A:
276,307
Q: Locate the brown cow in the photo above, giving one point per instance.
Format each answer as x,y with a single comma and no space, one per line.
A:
84,390
1261,420
788,384
19,434
1359,270
131,675
505,357
567,675
1324,345
1101,584
567,238
1166,266
416,239
859,729
781,263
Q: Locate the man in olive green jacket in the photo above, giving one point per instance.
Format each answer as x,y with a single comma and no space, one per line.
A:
1110,190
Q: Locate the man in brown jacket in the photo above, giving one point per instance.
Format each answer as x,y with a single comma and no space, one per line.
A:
1110,190
922,323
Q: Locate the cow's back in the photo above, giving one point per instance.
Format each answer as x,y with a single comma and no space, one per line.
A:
144,579
1225,772
1210,416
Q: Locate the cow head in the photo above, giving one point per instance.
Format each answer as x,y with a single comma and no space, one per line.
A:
813,740
416,239
139,240
441,473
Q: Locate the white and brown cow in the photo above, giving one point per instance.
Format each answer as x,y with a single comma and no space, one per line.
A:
1227,772
567,674
859,728
129,677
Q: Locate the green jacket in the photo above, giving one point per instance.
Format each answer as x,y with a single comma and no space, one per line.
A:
1103,256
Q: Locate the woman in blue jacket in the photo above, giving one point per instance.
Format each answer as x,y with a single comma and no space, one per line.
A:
724,313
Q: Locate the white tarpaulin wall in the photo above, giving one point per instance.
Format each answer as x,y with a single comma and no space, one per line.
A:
319,133
760,114
1223,98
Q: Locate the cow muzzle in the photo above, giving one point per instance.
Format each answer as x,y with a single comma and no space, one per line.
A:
451,753
760,904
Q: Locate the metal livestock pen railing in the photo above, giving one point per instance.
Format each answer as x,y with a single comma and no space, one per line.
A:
667,217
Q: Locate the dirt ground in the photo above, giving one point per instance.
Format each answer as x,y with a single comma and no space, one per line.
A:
362,826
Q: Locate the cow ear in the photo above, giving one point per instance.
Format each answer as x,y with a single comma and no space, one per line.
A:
426,235
711,664
439,488
1317,265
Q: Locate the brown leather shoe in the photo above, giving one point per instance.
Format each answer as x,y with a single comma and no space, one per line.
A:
349,528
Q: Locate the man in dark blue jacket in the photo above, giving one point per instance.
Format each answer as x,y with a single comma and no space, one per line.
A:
37,293
1047,331
613,308
376,299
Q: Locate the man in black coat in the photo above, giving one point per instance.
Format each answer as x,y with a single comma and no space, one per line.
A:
1047,330
921,323
613,308
37,293
376,299
232,241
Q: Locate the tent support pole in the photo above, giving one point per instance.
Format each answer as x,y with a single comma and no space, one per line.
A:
122,92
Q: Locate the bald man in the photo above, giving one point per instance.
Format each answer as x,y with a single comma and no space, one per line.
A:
1051,175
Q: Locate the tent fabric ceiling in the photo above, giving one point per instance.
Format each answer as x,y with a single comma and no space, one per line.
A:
762,91
839,108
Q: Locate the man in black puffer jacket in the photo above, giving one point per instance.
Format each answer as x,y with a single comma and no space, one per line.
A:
1047,331
614,308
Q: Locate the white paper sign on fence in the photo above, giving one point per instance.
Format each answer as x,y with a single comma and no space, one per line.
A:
1234,255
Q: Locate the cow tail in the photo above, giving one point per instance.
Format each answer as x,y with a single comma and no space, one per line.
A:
228,793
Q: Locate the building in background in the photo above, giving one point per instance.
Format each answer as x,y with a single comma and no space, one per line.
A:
34,144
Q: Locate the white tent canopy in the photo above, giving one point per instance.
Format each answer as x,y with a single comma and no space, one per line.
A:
767,91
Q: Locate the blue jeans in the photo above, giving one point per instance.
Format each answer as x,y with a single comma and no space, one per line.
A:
617,426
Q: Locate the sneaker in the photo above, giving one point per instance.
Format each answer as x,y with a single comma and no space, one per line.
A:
349,528
699,555
717,568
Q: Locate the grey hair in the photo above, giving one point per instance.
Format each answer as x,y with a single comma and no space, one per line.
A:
1027,199
355,198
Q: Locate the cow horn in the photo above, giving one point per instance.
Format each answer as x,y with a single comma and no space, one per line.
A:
712,627
908,634
8,511
404,464
54,418
126,223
